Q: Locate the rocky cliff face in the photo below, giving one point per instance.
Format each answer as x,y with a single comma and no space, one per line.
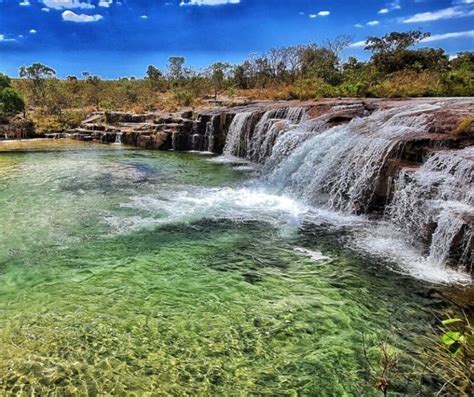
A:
404,161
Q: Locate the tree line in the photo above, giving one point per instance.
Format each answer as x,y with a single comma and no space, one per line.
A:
395,69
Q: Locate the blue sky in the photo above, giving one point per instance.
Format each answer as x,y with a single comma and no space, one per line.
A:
114,38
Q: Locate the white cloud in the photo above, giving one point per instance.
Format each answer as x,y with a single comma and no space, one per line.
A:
446,13
358,25
394,5
70,16
320,14
373,23
105,3
3,38
68,4
446,36
144,17
207,2
45,9
357,44
33,31
25,3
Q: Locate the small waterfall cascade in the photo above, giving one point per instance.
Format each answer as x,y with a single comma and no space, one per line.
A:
268,129
236,137
210,135
118,138
435,203
340,167
255,141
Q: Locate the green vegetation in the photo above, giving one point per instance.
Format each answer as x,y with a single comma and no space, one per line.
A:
10,101
395,69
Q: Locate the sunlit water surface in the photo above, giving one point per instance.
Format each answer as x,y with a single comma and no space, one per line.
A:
126,271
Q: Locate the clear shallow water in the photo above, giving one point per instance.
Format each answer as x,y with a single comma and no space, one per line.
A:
126,271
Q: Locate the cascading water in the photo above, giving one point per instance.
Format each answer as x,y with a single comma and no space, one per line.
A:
266,132
255,142
341,167
344,168
235,143
210,133
118,138
436,204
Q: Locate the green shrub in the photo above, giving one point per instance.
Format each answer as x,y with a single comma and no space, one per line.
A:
184,97
312,88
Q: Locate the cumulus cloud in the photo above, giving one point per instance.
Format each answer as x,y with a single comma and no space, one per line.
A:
383,11
144,17
446,13
373,23
25,3
207,2
70,16
67,4
33,31
358,25
446,36
105,3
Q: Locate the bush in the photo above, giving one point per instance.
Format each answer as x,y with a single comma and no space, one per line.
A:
408,84
71,118
10,102
312,88
184,97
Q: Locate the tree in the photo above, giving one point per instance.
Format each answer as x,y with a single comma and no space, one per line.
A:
10,101
319,62
153,73
38,74
338,44
175,67
94,88
217,73
155,78
391,53
464,60
5,81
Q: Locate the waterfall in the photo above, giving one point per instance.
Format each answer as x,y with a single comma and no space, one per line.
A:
118,138
350,168
435,203
236,137
255,142
211,132
341,166
265,133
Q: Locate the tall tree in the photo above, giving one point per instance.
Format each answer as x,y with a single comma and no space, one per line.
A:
175,68
390,52
217,73
38,74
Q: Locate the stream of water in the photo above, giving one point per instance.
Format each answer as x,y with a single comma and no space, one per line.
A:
129,271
